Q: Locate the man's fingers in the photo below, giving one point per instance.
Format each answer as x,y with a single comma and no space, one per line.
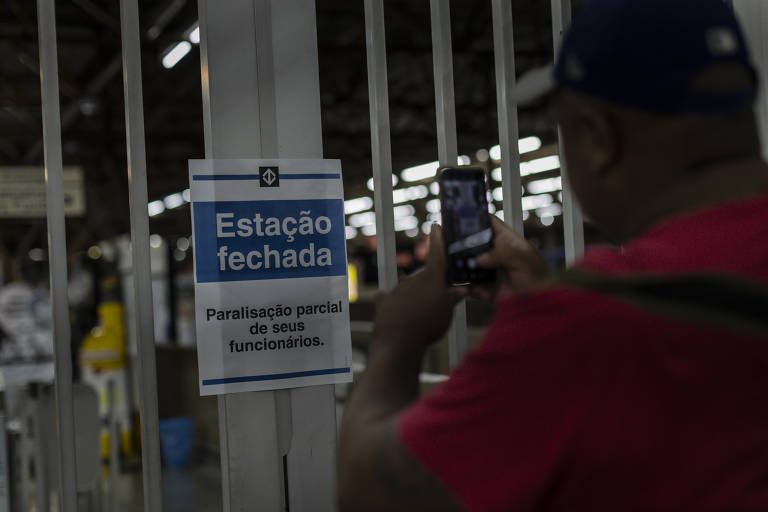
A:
485,260
498,225
436,256
483,293
496,257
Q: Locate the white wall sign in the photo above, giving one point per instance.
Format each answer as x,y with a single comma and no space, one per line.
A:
271,295
22,192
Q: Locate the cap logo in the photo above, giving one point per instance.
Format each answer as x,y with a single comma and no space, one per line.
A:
722,42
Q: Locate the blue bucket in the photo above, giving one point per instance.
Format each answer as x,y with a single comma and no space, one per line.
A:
176,440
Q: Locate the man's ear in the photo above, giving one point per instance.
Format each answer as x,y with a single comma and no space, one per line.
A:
600,134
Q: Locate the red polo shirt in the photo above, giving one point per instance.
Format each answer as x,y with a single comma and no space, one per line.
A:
578,400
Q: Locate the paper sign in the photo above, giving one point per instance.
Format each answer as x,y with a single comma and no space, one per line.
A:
271,291
23,195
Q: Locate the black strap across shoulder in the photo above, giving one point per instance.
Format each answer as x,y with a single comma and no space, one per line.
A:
717,300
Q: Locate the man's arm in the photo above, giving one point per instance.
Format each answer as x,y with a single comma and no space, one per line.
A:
375,471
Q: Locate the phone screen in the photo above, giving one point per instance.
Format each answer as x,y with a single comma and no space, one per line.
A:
466,224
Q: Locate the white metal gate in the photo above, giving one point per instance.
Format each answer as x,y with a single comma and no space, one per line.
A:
261,100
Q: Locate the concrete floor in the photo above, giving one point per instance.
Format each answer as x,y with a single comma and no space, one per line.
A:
195,489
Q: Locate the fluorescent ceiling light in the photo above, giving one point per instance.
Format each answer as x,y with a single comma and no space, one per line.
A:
529,144
369,230
545,185
548,163
369,184
406,223
420,172
552,210
185,194
498,194
547,220
155,208
434,188
534,202
155,241
350,232
405,210
176,53
173,200
426,171
194,34
433,205
36,254
402,195
359,204
526,145
362,219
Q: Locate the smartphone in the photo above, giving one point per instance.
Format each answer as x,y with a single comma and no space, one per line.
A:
466,224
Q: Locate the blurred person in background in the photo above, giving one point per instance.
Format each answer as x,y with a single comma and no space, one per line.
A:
26,334
636,380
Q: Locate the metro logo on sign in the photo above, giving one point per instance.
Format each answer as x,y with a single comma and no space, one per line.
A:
269,176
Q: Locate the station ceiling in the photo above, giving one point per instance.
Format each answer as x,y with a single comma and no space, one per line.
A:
93,133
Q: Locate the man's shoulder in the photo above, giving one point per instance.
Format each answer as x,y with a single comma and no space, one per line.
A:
556,314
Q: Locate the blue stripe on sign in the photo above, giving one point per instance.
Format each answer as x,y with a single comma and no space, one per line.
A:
275,376
224,177
309,176
237,177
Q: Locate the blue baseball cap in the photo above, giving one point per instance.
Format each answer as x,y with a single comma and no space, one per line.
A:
647,55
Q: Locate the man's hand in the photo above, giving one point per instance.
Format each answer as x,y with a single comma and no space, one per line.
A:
519,265
418,311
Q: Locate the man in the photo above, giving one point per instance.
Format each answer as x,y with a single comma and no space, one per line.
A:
637,380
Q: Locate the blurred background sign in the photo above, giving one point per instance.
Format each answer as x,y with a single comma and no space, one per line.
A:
22,192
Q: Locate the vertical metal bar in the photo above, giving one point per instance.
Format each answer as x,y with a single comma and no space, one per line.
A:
306,417
381,148
573,221
504,55
114,446
248,433
442,65
753,16
445,108
25,458
41,457
142,272
57,253
231,123
5,473
255,107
